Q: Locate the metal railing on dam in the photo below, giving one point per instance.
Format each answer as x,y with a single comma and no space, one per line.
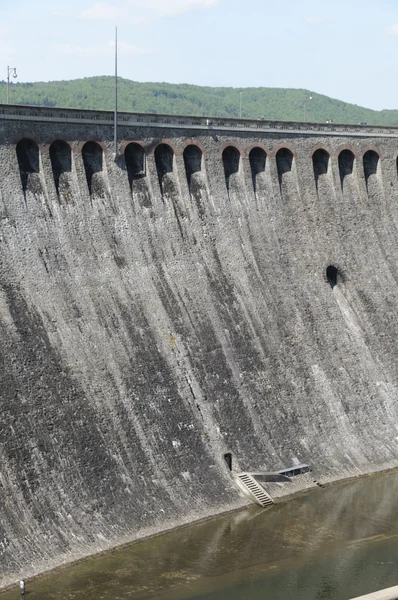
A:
213,290
70,115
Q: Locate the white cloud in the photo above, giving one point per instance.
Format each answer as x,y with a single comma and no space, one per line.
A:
174,7
315,19
101,10
392,30
6,50
73,50
126,49
107,51
140,11
61,14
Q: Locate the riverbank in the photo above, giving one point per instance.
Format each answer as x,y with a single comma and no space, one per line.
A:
190,545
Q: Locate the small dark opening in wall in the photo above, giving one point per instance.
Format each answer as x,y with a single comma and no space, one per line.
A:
228,460
332,275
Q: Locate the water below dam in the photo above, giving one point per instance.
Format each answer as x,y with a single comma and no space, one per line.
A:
332,543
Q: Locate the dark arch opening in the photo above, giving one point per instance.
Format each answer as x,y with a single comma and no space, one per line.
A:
231,161
346,164
332,275
370,164
284,162
228,460
61,160
93,161
258,159
134,157
28,160
192,161
320,162
164,159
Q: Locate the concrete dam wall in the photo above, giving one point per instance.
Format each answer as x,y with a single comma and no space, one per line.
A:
217,287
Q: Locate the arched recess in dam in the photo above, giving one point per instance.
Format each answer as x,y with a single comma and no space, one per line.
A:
93,165
287,176
164,160
193,160
61,163
135,161
346,166
258,160
231,161
371,169
284,162
29,165
320,163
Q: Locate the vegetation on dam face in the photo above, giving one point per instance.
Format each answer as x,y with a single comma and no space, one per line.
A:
280,104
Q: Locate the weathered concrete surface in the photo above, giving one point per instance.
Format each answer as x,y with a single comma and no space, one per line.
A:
388,594
145,333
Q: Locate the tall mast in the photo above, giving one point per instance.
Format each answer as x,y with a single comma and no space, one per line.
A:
115,117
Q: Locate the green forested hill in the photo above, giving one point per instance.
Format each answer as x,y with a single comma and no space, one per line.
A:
270,103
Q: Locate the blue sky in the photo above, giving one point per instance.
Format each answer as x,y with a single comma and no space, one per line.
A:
344,49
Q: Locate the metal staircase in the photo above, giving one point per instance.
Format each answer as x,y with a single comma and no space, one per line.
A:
253,489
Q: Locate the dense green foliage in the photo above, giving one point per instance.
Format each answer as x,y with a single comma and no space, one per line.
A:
183,99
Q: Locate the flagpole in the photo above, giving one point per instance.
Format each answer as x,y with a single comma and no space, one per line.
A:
115,116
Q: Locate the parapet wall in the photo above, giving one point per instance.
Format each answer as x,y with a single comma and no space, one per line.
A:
214,288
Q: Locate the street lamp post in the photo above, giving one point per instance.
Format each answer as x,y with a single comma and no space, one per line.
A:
240,105
10,70
307,96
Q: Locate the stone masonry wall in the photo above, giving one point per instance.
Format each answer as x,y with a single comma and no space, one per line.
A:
162,309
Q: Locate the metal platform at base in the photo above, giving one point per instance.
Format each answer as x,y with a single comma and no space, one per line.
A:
388,594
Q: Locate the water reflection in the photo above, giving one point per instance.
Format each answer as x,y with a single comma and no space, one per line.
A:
330,544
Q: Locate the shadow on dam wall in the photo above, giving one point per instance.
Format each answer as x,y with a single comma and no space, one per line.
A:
193,298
